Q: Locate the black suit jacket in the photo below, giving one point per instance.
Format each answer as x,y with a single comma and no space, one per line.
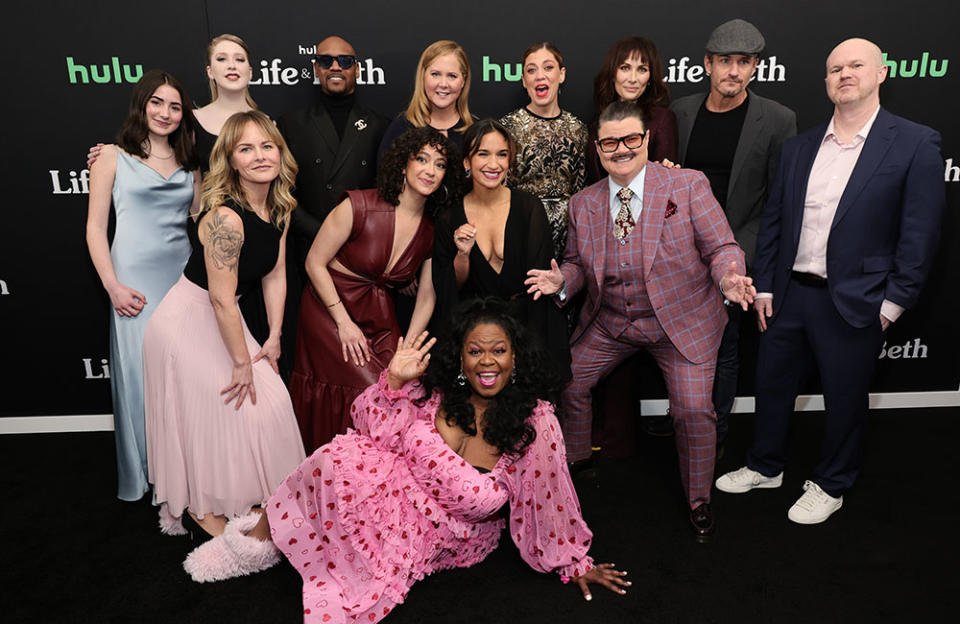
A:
328,166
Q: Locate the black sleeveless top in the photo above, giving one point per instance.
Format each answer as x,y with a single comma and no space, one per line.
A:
204,142
258,256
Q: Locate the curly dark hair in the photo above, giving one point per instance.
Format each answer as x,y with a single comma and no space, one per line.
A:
390,178
506,420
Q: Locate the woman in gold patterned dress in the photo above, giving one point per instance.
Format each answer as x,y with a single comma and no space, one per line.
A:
551,143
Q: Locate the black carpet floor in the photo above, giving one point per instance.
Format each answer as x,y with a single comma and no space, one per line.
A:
73,553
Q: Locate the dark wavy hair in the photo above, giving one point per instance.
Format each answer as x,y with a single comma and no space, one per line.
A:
390,176
474,136
656,93
506,419
133,134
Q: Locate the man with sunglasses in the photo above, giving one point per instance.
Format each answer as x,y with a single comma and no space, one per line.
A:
734,136
654,252
334,142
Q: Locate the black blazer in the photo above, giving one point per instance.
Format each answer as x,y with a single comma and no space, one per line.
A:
328,166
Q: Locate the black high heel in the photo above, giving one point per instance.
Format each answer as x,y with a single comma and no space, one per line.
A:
194,530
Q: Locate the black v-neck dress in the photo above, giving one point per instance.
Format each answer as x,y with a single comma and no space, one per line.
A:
527,244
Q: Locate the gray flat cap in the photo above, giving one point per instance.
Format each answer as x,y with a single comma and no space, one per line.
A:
735,37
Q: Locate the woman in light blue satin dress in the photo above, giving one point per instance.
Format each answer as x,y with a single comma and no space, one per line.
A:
149,176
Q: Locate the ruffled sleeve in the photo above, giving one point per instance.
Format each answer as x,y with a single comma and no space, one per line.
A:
383,414
545,519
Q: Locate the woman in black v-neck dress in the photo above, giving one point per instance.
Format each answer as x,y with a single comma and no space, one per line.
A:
483,263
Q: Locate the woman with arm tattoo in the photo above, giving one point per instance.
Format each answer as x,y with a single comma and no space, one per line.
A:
221,432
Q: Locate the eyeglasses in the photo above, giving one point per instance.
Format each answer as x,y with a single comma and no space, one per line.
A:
630,141
325,61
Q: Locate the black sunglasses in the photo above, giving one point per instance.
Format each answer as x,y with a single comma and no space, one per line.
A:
325,61
631,141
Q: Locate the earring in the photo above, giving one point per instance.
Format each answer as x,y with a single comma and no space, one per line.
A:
513,375
461,379
466,173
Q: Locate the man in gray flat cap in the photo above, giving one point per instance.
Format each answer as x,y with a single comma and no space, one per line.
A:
734,136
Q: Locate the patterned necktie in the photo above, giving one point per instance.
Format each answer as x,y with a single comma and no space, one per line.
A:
623,224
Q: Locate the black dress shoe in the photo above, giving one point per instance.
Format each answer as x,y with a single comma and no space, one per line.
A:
657,426
703,524
584,469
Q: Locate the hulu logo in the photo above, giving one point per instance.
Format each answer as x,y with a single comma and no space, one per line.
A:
102,74
916,68
494,72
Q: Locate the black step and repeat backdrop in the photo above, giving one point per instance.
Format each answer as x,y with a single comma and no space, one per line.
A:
70,66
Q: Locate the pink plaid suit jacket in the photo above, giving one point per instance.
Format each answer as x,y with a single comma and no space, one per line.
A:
687,247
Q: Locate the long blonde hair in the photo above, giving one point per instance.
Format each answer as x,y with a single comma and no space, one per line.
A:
214,94
223,181
418,111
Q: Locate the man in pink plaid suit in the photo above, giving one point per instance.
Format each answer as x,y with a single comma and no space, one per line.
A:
654,251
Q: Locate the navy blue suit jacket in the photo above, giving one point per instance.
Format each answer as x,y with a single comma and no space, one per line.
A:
886,227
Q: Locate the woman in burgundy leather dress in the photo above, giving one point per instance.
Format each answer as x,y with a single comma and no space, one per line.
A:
373,241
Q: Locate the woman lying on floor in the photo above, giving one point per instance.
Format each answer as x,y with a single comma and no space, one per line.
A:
418,485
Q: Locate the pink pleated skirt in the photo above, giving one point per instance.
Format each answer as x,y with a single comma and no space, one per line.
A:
201,453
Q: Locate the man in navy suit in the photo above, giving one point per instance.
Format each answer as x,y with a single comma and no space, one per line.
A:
845,246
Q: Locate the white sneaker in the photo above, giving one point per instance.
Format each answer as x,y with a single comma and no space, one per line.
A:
814,506
744,480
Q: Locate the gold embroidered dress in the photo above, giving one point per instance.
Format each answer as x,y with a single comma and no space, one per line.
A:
550,165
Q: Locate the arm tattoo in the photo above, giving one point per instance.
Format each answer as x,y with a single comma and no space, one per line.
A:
223,243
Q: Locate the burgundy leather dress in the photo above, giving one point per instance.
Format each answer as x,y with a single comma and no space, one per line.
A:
323,386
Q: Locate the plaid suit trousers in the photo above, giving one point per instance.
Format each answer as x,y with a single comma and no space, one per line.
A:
689,385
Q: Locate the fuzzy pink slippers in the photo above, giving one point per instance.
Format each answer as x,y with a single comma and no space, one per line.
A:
232,554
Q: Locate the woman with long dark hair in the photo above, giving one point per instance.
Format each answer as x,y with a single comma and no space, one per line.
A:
373,242
418,485
632,72
221,432
484,245
149,178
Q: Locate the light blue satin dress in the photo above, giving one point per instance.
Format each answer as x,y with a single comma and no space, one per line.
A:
149,251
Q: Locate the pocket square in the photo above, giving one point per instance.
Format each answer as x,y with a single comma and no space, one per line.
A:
671,210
